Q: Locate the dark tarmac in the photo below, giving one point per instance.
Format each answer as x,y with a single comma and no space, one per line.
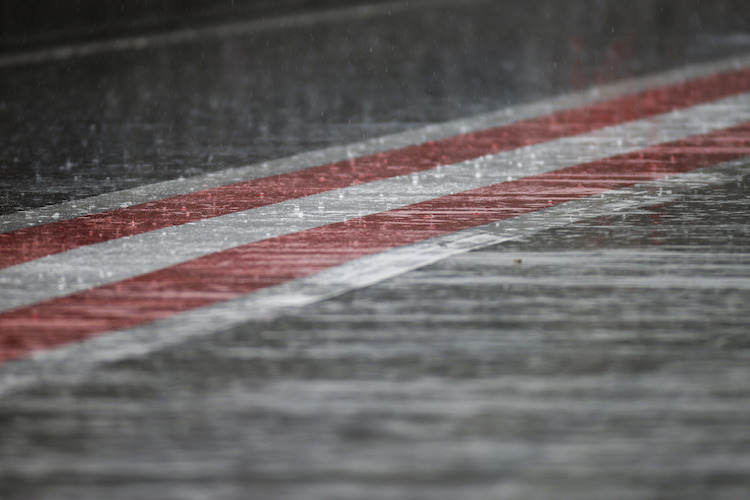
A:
80,126
607,358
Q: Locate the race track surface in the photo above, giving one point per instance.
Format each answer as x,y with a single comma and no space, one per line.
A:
398,250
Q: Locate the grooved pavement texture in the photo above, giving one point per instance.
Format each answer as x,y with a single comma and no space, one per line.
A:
611,362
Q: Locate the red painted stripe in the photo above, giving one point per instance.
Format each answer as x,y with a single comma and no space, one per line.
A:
36,242
231,273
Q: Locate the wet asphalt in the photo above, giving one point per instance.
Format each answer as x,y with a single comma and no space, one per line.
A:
607,359
82,126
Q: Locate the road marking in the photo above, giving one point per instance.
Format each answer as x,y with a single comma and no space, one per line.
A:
158,191
56,237
73,362
421,197
231,273
95,265
227,30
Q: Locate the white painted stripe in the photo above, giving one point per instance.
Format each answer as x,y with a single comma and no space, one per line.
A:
143,194
226,30
85,267
74,361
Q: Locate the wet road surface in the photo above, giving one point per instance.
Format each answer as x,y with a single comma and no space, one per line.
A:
593,346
